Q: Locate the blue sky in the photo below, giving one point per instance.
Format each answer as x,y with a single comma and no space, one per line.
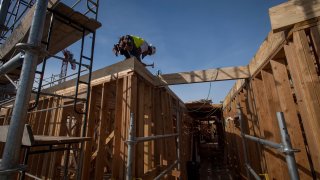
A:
189,35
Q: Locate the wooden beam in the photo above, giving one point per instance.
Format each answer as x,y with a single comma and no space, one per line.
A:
248,124
233,92
117,127
266,127
110,137
288,106
219,74
139,129
306,88
269,47
90,131
99,76
99,166
289,13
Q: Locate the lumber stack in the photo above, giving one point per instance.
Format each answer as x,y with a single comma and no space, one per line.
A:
116,91
284,77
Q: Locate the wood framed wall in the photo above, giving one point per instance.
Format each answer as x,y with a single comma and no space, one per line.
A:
114,95
284,77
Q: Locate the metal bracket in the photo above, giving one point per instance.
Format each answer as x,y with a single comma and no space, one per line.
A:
288,151
32,47
131,142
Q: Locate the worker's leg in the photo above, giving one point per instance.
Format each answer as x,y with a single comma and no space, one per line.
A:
136,52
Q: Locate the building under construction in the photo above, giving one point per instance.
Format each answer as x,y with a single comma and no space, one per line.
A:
123,122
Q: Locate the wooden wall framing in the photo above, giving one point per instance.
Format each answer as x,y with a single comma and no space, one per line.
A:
285,77
114,95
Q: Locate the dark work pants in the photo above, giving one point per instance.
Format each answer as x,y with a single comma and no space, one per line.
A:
136,52
133,53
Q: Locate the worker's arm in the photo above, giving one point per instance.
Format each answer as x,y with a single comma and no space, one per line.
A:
116,49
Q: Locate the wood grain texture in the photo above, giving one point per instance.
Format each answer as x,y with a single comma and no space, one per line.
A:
208,75
112,100
289,13
288,107
307,93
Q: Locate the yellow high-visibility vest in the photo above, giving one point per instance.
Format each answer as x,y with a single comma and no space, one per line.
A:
138,41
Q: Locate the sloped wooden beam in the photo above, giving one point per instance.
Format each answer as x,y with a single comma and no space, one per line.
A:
209,75
295,11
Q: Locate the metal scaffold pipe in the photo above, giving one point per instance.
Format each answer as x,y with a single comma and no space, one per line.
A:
151,138
132,140
130,148
166,171
13,144
287,148
244,143
264,142
12,64
254,174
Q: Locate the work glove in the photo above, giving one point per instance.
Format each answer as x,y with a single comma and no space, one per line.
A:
116,49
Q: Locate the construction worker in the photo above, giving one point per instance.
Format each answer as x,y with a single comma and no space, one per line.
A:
130,45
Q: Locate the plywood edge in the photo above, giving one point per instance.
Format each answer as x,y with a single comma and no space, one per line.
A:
107,73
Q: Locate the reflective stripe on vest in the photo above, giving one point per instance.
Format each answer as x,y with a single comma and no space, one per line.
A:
138,41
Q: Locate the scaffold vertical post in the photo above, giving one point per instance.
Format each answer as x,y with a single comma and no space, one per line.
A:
244,145
13,144
130,143
287,147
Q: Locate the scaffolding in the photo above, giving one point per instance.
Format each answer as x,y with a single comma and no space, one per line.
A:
10,19
49,19
132,140
284,147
